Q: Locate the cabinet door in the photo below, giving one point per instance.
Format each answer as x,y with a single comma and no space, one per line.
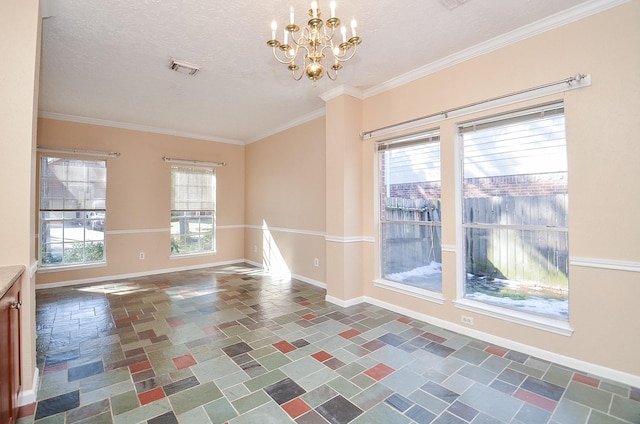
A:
6,376
16,357
10,383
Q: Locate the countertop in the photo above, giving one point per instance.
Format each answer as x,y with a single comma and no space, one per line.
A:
8,275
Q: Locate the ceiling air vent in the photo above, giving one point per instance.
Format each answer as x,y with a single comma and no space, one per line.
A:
184,67
452,4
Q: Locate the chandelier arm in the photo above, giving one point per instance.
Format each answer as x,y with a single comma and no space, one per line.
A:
325,36
301,41
306,47
332,72
283,61
345,57
326,46
305,55
299,77
305,36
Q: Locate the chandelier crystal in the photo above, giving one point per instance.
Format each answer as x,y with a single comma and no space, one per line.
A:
312,51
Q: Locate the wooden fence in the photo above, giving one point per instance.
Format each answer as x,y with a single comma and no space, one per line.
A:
414,243
530,242
537,253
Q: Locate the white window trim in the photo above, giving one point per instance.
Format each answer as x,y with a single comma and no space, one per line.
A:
410,290
214,210
191,255
379,281
553,325
44,268
59,268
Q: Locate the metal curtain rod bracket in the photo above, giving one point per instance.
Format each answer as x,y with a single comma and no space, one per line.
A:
576,81
78,152
193,162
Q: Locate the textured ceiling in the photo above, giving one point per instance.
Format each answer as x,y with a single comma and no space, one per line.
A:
109,60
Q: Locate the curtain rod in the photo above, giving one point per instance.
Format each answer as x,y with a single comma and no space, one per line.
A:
576,81
78,152
193,162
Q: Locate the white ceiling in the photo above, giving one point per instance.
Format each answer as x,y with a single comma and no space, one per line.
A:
108,61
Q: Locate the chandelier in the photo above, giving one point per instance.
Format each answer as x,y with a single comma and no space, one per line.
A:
312,51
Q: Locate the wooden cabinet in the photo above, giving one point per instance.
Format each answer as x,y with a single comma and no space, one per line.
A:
10,375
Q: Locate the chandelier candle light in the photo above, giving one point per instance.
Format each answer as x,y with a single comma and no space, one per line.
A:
314,48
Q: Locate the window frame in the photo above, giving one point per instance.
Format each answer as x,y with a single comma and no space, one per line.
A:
83,215
419,138
552,324
198,213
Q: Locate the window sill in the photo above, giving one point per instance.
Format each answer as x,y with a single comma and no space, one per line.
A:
553,325
409,290
191,255
60,268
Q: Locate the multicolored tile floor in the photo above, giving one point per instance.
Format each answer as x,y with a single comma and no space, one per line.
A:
231,344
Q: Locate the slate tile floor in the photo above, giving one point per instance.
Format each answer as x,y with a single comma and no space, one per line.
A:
231,344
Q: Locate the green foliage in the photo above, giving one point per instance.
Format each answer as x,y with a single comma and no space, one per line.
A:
189,243
206,241
94,251
73,254
175,246
81,252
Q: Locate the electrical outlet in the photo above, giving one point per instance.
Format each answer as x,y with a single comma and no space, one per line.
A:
466,320
141,255
316,262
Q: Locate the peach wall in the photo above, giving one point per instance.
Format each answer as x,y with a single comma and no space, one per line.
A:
20,40
282,181
19,26
139,197
602,126
343,167
285,192
344,199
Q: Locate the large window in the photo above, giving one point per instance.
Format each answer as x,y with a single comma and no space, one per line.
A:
410,226
514,211
72,211
192,210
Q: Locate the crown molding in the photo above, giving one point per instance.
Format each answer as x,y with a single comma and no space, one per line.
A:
573,14
552,22
342,90
134,127
291,124
326,96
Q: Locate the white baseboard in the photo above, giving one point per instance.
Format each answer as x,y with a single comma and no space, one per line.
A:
167,270
573,363
345,303
27,397
489,338
256,264
134,275
296,276
310,281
